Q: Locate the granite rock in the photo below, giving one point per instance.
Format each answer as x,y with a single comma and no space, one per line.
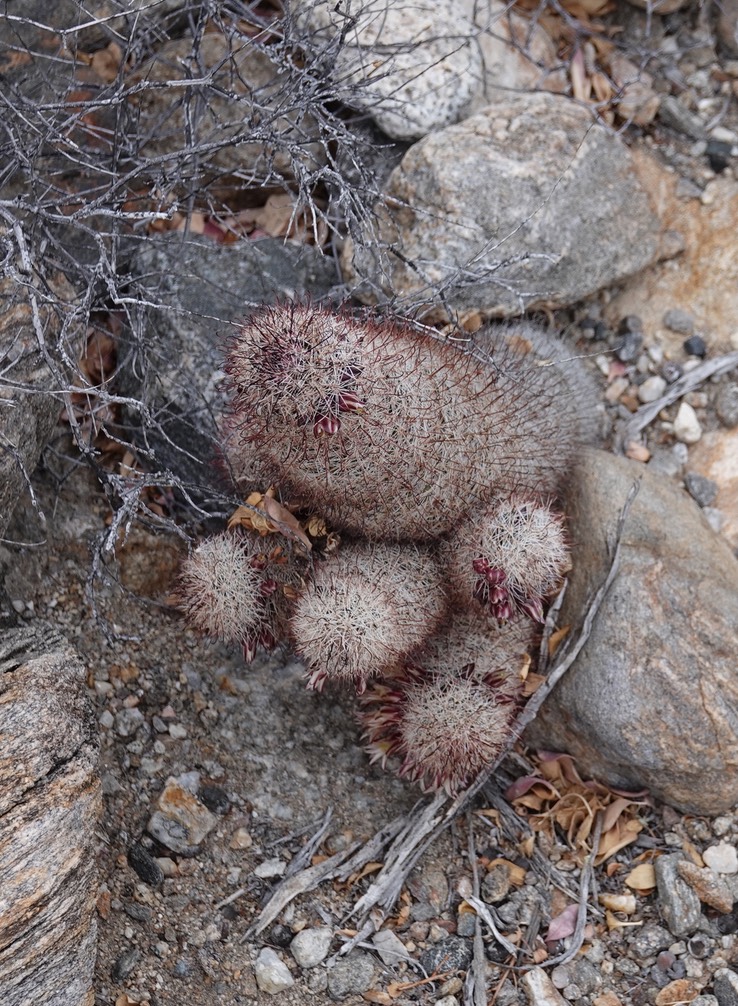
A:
652,699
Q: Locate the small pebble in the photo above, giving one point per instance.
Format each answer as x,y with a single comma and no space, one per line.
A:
726,405
648,941
637,452
679,321
145,865
695,345
128,722
272,974
125,964
447,1001
241,839
451,954
678,903
687,427
180,822
629,346
703,491
721,858
466,924
270,868
651,389
214,798
671,371
721,826
311,946
352,975
177,732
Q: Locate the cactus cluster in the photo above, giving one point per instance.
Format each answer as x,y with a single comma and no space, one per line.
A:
437,466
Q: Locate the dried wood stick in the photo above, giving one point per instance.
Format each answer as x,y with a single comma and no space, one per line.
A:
691,380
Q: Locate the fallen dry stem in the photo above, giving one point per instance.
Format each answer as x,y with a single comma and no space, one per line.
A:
643,416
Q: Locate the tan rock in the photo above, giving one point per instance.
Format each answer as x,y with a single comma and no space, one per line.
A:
676,993
708,887
716,457
703,279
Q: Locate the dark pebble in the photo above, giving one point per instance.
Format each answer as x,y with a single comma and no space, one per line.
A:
695,345
630,323
629,346
725,988
659,978
601,331
452,954
671,371
588,326
214,798
727,924
718,154
141,913
496,953
145,865
703,491
726,405
125,965
280,936
699,946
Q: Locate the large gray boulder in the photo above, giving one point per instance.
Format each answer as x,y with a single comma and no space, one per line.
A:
193,290
412,67
652,700
520,206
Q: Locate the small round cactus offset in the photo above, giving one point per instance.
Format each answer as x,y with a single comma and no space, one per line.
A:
236,588
365,610
448,712
508,558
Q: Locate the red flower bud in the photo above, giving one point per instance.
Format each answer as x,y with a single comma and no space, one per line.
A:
349,402
533,608
326,425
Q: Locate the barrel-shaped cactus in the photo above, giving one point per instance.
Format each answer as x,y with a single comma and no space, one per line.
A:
238,587
390,432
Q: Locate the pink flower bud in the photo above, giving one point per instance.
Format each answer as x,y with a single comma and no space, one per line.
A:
349,402
480,566
326,425
533,608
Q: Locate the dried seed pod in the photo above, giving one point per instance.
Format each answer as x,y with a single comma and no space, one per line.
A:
366,608
449,712
508,558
